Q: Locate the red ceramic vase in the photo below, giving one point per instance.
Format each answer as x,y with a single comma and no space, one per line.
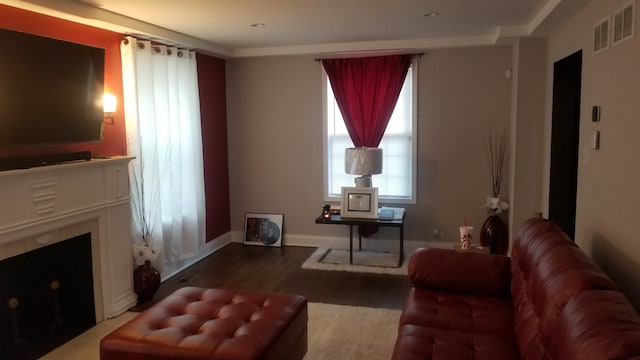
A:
146,281
494,235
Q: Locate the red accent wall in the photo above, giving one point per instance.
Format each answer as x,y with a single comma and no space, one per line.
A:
114,142
213,110
213,107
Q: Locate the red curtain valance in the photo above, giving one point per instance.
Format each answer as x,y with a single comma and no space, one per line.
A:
366,90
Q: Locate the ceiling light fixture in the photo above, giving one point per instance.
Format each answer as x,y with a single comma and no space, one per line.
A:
258,25
431,14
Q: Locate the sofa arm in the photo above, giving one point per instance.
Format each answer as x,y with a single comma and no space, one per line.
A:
597,324
460,272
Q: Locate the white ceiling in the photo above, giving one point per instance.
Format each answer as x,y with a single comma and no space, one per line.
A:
223,27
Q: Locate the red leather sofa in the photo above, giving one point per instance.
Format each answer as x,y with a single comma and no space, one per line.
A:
547,301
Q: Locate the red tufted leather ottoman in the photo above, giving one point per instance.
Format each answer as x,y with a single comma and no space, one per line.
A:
221,324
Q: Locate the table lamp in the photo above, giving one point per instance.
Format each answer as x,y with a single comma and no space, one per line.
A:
364,161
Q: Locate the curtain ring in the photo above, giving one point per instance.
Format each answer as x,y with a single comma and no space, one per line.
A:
156,49
125,41
169,52
180,54
140,45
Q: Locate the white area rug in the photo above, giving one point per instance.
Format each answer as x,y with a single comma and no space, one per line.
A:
340,332
363,261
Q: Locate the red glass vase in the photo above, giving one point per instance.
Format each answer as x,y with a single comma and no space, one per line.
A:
146,281
494,235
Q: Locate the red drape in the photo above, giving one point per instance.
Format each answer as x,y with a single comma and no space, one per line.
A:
366,90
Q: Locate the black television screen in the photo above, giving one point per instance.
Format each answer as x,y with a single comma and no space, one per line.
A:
50,90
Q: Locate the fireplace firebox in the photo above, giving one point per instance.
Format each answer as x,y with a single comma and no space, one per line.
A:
47,298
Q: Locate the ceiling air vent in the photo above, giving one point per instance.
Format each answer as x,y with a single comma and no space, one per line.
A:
601,36
623,24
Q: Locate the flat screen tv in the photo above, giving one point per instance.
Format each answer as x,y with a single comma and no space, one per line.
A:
50,91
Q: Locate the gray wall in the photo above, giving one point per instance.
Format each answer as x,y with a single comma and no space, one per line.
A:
275,142
527,129
607,224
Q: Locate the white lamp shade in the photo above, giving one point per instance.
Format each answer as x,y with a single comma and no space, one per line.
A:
363,161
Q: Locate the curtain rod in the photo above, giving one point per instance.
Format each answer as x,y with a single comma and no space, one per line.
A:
416,54
157,42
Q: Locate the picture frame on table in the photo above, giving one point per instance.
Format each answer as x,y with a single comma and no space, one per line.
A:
359,202
263,229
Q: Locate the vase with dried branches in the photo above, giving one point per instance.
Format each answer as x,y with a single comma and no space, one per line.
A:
143,248
494,231
496,148
146,279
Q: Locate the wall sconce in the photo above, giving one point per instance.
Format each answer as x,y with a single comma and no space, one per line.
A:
109,106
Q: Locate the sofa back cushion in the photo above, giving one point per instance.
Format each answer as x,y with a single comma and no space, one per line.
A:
460,272
547,269
597,324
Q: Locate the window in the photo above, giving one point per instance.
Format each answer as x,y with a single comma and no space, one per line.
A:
623,24
601,36
397,183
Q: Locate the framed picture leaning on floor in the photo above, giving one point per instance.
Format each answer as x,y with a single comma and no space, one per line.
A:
263,229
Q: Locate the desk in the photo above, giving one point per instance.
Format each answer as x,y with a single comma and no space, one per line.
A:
473,249
337,220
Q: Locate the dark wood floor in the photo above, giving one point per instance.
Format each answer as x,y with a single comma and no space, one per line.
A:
278,270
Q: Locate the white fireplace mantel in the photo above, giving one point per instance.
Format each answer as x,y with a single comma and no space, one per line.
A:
45,205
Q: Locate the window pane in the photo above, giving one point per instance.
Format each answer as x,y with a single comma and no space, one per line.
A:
396,180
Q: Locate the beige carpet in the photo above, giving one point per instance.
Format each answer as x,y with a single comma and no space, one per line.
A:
363,261
87,345
351,332
335,332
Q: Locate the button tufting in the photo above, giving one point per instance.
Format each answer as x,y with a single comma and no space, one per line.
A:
213,324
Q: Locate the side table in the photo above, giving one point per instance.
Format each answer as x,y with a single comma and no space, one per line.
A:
473,249
336,219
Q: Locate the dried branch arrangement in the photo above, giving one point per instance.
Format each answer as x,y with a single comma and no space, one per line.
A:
496,147
143,247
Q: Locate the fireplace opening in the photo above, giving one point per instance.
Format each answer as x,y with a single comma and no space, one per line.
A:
46,298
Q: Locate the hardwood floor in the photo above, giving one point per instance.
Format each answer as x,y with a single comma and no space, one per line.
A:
268,269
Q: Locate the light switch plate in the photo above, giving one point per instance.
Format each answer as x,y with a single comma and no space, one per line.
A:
595,140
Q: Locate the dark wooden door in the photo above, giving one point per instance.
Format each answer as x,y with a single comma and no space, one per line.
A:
565,141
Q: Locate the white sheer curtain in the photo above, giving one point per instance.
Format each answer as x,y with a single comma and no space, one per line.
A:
162,115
